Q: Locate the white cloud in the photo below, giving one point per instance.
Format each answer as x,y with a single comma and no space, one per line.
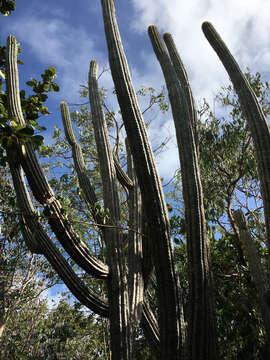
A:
167,160
66,47
243,24
53,295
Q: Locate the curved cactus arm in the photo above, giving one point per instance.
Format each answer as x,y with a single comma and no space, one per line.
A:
201,344
84,294
79,164
135,255
38,182
117,286
151,189
23,200
42,191
12,81
257,271
255,118
150,328
72,243
30,240
122,177
35,234
184,81
80,168
107,169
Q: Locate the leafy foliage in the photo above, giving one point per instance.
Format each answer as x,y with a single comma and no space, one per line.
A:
7,6
11,132
23,276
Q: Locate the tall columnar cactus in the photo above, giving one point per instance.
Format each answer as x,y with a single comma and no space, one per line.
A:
171,322
200,344
127,273
255,118
135,250
113,236
184,82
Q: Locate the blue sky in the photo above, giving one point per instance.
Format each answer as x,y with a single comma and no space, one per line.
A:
67,35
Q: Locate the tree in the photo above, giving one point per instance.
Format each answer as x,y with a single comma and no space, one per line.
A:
62,332
128,274
21,339
23,276
72,333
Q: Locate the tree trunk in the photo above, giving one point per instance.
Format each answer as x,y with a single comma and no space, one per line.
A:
2,328
258,273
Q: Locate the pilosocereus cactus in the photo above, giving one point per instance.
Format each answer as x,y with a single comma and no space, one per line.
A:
150,249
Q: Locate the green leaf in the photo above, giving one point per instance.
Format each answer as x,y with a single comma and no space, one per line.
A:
44,110
22,94
45,87
27,131
23,357
43,97
37,140
55,87
51,70
41,128
34,99
2,108
31,83
33,123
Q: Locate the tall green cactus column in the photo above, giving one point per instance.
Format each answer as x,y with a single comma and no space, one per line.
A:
170,307
257,124
113,236
201,339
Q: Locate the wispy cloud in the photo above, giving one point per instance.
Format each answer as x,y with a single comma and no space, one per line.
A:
53,295
55,37
56,42
244,25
